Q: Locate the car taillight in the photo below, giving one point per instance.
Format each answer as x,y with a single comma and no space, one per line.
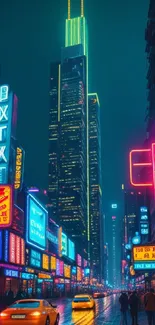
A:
3,314
36,314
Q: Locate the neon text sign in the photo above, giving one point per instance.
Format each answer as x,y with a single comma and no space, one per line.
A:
142,159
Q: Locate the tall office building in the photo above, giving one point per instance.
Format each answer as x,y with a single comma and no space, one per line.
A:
69,189
73,146
150,50
114,247
68,144
54,119
133,200
96,229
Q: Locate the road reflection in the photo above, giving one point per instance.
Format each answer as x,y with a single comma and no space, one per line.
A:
83,317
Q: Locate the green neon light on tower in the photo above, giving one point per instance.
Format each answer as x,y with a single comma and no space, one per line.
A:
76,29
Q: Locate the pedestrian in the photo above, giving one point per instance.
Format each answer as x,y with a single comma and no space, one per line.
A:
123,300
134,306
149,303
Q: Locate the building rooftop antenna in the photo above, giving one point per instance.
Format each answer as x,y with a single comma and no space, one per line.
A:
69,9
82,8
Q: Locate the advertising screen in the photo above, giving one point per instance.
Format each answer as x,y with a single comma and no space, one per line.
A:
85,262
61,268
45,262
5,206
35,258
7,112
79,260
36,223
67,271
53,263
79,274
16,250
74,270
87,272
64,244
144,253
18,220
71,248
52,237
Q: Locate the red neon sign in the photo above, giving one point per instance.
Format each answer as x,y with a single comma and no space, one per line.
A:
147,160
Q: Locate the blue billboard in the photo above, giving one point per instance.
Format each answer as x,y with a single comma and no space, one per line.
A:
6,124
64,244
71,250
36,223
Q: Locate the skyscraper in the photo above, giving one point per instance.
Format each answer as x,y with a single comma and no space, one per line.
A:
114,245
149,36
95,226
71,196
68,138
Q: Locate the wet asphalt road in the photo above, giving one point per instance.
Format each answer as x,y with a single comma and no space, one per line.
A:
106,309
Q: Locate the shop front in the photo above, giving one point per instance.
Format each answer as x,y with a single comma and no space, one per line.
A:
59,287
9,280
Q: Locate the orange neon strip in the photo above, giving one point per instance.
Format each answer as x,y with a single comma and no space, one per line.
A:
131,168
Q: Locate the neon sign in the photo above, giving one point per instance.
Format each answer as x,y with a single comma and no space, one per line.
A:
35,259
11,273
36,223
0,244
6,112
16,249
142,158
4,93
64,244
19,168
5,206
45,262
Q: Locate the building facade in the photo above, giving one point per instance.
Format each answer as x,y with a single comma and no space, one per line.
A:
96,229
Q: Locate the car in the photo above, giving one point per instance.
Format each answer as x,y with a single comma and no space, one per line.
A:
30,312
83,302
98,295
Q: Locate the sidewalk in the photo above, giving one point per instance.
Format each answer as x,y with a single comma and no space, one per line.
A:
115,319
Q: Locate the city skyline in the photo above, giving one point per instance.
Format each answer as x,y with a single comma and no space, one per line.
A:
9,67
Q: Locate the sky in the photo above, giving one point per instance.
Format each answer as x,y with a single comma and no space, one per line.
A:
32,34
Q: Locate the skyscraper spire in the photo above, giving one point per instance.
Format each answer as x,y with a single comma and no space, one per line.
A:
69,9
82,8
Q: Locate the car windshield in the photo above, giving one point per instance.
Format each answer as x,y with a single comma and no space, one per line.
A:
26,304
81,299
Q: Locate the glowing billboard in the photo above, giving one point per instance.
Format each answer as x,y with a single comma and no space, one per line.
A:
53,263
79,260
35,258
5,206
18,220
16,249
64,244
67,271
144,253
71,250
36,223
6,123
45,262
142,158
19,168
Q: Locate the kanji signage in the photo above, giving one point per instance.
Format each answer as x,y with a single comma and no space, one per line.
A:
5,206
144,253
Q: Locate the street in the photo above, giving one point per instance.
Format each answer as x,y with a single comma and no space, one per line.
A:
107,312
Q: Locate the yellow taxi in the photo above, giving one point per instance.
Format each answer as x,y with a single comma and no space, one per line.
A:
83,302
30,312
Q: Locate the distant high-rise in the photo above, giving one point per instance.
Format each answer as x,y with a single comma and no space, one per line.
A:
150,49
114,247
96,229
54,119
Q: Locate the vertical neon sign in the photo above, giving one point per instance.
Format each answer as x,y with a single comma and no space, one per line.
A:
6,110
